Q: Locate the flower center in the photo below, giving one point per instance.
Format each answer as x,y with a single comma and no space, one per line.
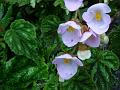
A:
70,29
98,16
66,61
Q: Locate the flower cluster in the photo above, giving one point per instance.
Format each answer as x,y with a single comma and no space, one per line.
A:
74,33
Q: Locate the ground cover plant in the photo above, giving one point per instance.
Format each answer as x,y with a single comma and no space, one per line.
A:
59,44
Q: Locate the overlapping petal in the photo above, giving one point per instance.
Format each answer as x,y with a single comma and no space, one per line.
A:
93,41
70,38
98,28
97,18
90,38
85,36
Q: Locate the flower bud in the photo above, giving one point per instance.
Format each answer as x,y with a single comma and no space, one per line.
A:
86,54
104,39
83,52
106,1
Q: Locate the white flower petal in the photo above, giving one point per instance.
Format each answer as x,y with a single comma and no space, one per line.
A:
86,54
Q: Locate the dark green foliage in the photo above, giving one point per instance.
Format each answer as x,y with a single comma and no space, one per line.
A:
7,18
114,42
21,38
1,10
114,39
20,2
100,67
3,55
29,42
50,23
19,72
52,83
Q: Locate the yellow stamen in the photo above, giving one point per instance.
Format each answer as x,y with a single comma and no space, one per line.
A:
66,61
98,16
70,29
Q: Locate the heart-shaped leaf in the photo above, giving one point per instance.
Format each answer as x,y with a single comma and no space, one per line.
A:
21,38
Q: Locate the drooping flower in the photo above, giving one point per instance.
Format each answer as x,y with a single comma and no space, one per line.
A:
83,52
73,5
89,37
97,18
70,33
67,66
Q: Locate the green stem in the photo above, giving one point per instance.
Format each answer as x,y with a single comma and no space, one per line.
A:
76,14
74,50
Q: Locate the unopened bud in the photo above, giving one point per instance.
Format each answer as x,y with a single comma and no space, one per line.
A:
104,39
106,1
86,54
